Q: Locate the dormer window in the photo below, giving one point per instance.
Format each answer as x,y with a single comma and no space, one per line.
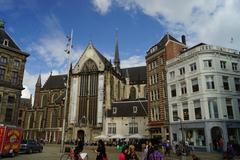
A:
5,42
134,109
114,110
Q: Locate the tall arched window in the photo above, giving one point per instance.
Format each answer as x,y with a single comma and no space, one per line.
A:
31,120
54,119
54,97
132,95
89,66
44,100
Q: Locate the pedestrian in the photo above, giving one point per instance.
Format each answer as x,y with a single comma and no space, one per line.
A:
132,153
79,146
122,154
167,148
101,151
221,144
154,153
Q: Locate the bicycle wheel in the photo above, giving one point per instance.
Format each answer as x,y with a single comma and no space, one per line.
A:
66,156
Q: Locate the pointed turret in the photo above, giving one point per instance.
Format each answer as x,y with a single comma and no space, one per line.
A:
37,92
116,56
39,81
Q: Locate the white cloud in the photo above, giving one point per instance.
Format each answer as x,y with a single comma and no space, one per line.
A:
213,22
102,6
133,61
52,44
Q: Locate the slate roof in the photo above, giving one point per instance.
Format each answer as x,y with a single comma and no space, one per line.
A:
104,59
125,109
137,75
4,35
55,82
163,41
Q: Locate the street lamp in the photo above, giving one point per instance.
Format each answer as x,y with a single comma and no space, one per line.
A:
183,139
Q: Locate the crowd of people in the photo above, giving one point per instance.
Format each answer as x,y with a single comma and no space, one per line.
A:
151,150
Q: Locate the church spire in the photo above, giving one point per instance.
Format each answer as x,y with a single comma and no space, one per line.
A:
116,56
39,81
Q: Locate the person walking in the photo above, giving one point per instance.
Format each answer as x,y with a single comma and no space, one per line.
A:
101,151
154,153
122,154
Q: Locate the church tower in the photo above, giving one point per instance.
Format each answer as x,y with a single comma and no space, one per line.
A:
116,56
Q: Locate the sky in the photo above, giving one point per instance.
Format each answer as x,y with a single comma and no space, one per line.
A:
39,27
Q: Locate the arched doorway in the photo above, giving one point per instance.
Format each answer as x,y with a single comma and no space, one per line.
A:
81,134
216,134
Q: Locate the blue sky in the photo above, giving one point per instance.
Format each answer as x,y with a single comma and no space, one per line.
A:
39,27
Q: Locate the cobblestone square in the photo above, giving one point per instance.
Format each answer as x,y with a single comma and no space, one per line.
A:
52,152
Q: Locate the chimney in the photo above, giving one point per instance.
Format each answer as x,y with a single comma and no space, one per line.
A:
183,39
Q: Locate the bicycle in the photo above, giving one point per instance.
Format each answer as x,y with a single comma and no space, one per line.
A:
70,155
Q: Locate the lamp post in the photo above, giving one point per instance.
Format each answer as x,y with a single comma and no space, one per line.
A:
183,139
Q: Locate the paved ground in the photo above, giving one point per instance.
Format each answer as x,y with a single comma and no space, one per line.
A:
51,152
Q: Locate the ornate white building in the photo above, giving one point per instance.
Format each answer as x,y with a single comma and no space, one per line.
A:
204,94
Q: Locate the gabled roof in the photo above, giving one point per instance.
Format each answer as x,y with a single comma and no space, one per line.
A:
137,75
4,35
163,41
104,59
55,82
125,109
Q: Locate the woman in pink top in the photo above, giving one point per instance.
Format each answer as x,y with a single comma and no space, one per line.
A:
122,155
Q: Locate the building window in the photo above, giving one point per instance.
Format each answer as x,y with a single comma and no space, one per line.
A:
16,63
182,71
114,110
195,87
134,109
132,95
234,66
3,60
2,73
111,128
5,42
210,82
213,108
185,111
197,109
229,108
175,112
237,84
225,83
223,64
14,77
11,100
133,128
172,75
193,67
8,117
173,91
207,63
183,88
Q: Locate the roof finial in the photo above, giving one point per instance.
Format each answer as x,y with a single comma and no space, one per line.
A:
2,23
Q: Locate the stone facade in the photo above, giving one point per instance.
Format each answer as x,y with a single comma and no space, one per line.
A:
156,58
12,65
94,85
25,104
203,95
44,119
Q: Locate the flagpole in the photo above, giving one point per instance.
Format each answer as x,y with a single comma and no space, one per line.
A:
68,51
